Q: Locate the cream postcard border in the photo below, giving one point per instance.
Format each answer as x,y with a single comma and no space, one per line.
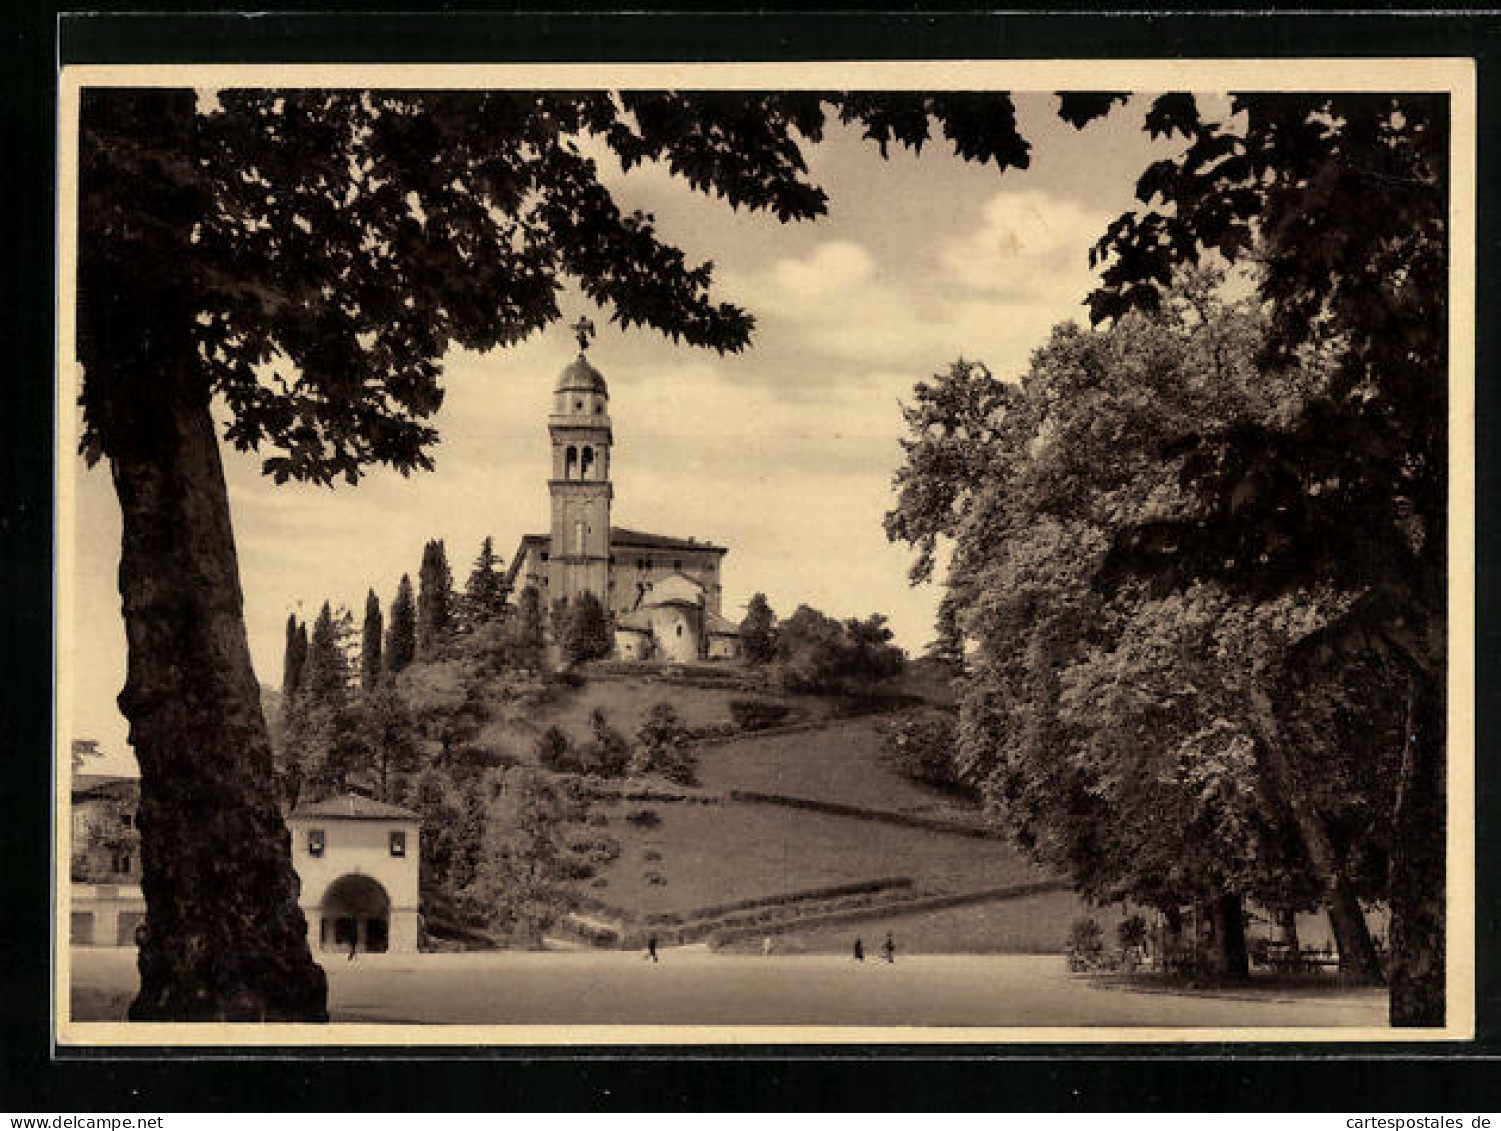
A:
1453,75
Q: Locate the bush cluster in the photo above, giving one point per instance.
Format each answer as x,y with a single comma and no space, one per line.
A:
758,714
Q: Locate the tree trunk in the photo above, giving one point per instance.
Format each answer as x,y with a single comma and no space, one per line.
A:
1228,957
1357,955
1287,923
225,938
1417,872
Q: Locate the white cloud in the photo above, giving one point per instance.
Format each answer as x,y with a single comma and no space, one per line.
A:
825,275
1020,233
994,296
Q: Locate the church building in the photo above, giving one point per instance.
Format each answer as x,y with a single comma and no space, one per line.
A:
662,592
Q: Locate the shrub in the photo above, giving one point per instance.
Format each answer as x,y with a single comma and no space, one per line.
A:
758,714
655,879
554,752
608,755
1131,932
817,653
651,856
643,818
599,820
1085,946
922,747
478,755
598,849
662,746
575,869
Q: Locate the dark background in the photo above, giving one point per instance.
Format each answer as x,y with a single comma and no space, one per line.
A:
1412,1078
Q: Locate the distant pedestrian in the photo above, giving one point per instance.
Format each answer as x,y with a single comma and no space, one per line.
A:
766,945
888,948
859,951
651,948
354,945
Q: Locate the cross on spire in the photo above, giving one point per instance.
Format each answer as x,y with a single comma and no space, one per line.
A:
583,329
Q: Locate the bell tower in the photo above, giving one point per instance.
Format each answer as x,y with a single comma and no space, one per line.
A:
579,424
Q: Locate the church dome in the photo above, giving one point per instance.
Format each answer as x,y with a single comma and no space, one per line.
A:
580,375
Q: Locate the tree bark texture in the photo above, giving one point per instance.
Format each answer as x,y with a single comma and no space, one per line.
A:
1228,956
1358,959
225,938
1287,925
1417,873
1357,953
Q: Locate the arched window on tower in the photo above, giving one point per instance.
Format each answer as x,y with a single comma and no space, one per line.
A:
587,464
570,462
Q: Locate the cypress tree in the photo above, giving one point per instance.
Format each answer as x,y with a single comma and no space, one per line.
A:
401,635
326,675
302,651
370,643
758,631
527,631
294,658
485,593
434,598
585,634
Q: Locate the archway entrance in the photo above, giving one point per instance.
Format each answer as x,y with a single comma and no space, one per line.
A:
356,912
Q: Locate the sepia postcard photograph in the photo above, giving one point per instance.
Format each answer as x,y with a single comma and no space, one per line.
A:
727,554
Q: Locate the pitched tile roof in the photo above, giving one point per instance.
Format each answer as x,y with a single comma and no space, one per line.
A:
99,785
620,536
352,805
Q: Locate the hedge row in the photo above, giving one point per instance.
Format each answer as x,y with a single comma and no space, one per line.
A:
933,824
882,911
598,791
833,891
772,920
697,915
771,732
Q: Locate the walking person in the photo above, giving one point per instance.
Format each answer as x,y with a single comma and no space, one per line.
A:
766,946
651,948
888,948
859,950
354,944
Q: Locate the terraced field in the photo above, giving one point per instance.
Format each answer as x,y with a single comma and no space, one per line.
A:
838,763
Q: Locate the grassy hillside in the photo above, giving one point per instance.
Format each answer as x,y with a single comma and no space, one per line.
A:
624,701
704,854
839,763
685,849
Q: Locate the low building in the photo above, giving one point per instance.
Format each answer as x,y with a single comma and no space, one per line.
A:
358,862
107,904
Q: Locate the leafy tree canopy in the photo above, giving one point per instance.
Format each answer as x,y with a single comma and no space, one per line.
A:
321,250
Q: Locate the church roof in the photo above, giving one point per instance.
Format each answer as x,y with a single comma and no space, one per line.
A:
637,620
353,806
579,374
620,536
717,625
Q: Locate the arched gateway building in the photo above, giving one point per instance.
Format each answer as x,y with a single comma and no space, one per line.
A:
663,592
357,859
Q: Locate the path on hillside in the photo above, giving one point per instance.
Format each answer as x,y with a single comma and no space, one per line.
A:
693,986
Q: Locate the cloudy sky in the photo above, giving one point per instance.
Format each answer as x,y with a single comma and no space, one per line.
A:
784,453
